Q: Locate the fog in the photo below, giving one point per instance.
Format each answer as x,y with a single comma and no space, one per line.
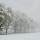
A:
31,8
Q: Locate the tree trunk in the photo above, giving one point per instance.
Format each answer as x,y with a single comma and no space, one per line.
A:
6,31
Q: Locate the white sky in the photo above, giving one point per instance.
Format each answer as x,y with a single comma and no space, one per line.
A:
31,7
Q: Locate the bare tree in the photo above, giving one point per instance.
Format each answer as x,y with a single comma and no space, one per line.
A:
22,23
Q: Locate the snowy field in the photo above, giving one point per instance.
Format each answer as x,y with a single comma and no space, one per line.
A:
25,36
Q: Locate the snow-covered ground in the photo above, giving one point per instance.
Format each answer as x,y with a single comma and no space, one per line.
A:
23,36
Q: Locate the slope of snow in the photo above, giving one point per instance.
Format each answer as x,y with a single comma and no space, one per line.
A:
24,36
